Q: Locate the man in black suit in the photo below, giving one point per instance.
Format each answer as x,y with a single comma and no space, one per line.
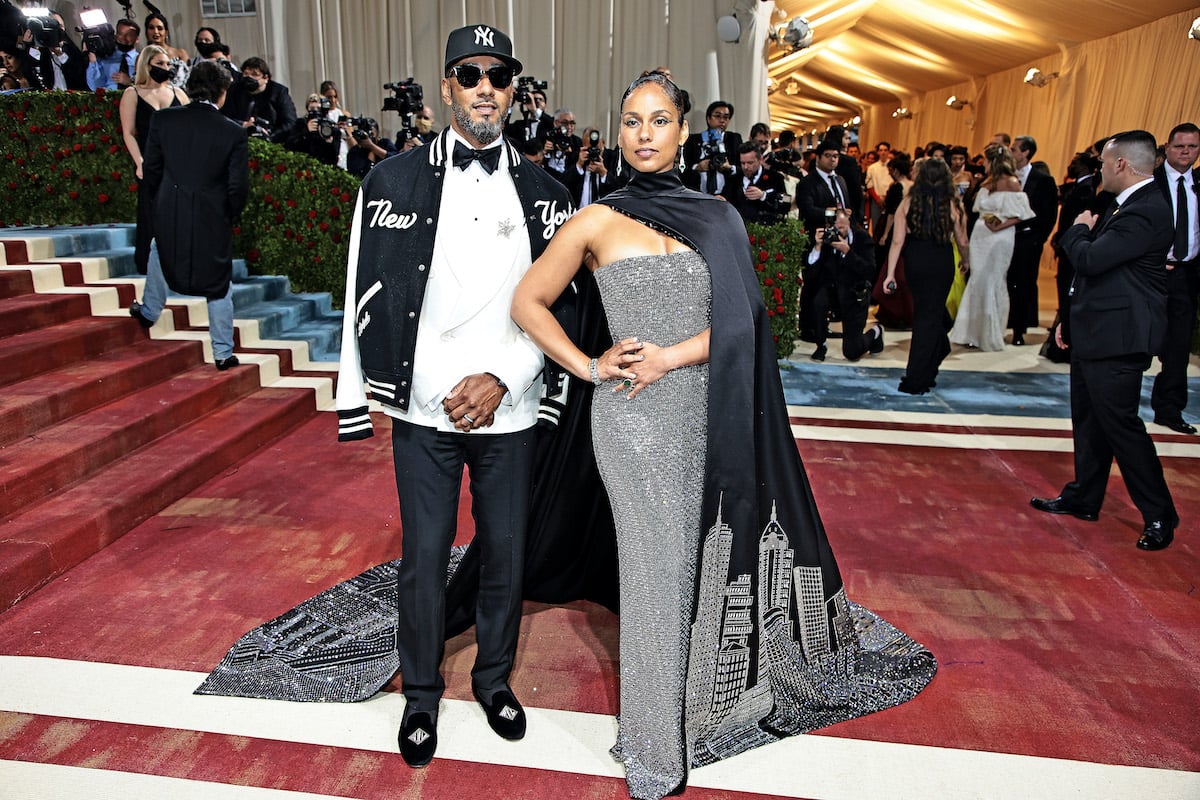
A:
196,172
594,172
849,169
1180,185
817,195
441,237
1031,236
262,106
710,157
1117,324
757,193
842,262
535,121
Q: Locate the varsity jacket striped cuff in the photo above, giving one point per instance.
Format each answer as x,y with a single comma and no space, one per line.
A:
354,424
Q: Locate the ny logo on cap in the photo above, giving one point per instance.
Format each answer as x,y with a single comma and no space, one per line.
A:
483,36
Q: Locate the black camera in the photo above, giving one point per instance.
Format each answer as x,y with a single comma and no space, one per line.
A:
325,128
361,127
407,99
44,28
526,85
99,36
561,139
832,234
593,151
261,130
713,151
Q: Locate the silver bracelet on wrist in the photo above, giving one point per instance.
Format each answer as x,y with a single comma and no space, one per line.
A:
594,369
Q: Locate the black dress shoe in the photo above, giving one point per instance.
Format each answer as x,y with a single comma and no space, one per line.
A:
135,311
819,353
227,363
504,715
418,738
1157,536
1177,425
1059,506
911,388
877,343
1018,338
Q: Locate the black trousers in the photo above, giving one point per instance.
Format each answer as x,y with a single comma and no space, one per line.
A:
1170,393
429,467
1105,424
1022,283
929,270
853,297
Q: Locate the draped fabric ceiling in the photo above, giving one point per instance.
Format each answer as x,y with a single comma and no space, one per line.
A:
870,57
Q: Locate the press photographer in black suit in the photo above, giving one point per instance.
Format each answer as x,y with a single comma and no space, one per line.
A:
842,264
315,134
1117,323
817,194
757,193
709,157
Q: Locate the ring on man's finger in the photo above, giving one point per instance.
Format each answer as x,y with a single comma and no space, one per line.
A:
468,418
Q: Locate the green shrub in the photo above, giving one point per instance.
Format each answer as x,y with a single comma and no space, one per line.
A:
65,164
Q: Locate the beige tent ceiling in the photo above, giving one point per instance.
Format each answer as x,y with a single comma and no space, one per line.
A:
869,52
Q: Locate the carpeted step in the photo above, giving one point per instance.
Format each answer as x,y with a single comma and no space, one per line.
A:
87,443
15,282
68,527
57,395
36,311
32,353
324,338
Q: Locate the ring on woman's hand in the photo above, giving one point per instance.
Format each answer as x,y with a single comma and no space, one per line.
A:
467,417
627,383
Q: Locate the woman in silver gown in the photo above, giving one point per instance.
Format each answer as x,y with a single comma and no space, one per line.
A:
735,628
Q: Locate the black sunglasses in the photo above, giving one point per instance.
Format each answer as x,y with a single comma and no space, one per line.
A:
469,75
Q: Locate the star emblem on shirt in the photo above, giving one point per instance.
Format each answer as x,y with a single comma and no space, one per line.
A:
506,228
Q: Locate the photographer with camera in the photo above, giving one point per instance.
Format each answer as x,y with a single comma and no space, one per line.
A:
315,134
817,194
408,100
262,106
709,157
369,148
592,175
562,146
842,265
112,69
17,70
52,56
535,123
758,193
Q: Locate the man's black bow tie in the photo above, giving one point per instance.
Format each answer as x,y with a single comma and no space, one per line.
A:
488,159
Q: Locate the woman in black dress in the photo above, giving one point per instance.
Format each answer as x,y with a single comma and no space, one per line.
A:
928,220
151,91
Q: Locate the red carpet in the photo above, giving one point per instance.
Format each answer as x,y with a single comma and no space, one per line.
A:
1055,637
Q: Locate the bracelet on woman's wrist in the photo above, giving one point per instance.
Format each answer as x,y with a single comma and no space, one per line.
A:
594,370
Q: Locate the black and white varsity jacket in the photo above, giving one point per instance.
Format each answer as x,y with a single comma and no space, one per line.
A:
391,248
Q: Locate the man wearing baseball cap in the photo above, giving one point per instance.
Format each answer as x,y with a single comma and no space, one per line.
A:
441,236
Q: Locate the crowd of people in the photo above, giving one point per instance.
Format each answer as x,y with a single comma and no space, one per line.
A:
469,327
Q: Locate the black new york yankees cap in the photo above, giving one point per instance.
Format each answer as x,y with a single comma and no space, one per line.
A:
480,40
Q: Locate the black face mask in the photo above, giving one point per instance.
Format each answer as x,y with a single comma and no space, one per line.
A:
207,48
249,84
161,75
124,48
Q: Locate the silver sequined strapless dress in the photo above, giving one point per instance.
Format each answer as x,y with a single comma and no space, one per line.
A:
650,451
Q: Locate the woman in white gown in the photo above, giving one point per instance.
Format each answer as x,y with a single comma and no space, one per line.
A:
1000,204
